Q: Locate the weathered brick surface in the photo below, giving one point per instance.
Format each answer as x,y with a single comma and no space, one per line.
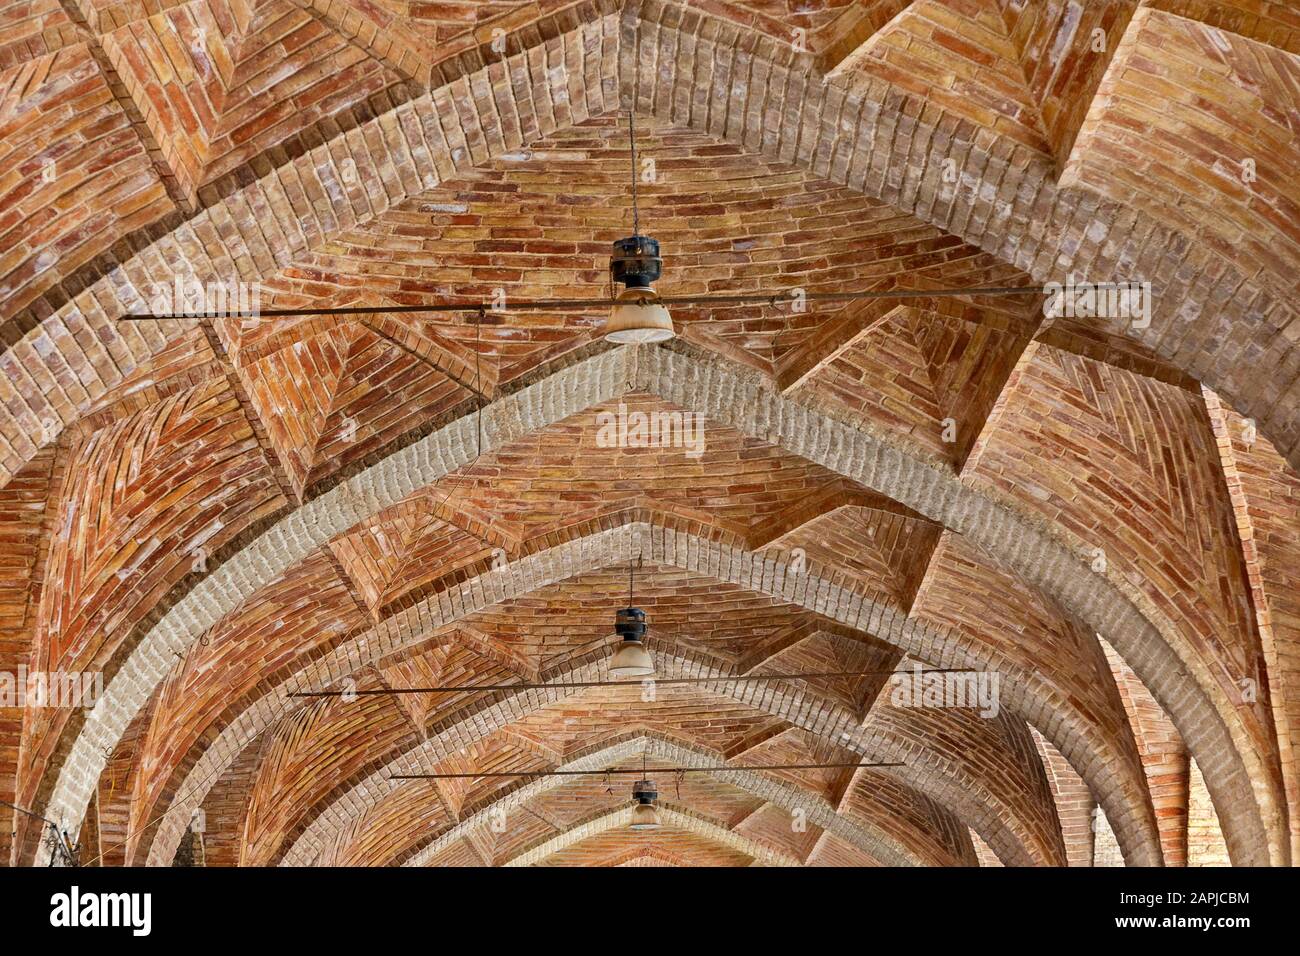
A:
886,830
1274,22
290,778
1105,848
1064,49
113,797
586,844
221,81
33,29
1179,544
1003,200
142,502
537,221
394,154
567,190
308,609
76,176
223,811
961,591
1023,549
551,736
563,563
1176,545
1265,494
985,856
1183,110
1083,232
22,517
959,56
921,373
323,500
955,777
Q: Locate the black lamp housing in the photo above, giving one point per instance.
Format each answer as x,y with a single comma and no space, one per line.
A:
635,262
629,624
644,792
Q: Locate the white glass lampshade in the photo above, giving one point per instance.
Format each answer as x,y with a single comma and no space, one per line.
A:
633,321
645,817
631,660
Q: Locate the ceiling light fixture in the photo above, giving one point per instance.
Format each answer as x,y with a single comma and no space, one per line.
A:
637,315
631,659
644,814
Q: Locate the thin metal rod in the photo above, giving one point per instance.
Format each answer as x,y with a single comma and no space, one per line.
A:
631,136
624,772
30,813
667,681
478,380
61,839
562,305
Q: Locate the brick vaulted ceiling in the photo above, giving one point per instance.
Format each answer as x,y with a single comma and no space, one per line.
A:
214,514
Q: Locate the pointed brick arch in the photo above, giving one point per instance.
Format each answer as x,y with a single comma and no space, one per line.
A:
605,543
996,803
1041,557
337,511
76,355
680,819
888,848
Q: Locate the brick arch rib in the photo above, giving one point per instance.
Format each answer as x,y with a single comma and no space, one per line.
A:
763,854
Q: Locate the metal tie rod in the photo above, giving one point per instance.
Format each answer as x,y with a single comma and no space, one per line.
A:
563,305
667,681
641,771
